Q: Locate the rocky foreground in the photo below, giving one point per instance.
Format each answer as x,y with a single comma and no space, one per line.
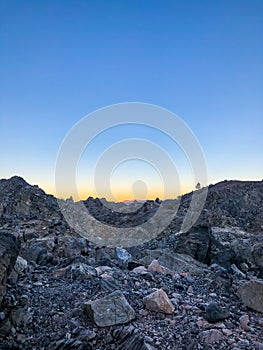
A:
202,289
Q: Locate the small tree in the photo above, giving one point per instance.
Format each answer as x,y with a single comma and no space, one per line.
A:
198,186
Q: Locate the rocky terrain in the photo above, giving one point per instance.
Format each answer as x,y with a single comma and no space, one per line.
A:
201,289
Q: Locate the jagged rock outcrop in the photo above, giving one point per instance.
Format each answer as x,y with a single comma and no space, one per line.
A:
223,246
196,243
50,249
19,199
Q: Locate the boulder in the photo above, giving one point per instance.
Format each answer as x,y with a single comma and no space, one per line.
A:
5,327
82,272
211,336
181,263
20,265
219,277
39,250
158,301
19,268
175,262
20,317
257,253
232,245
9,249
122,255
251,294
76,271
156,267
244,321
109,311
141,270
214,313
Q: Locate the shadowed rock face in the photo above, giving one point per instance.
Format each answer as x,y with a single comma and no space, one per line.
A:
214,245
9,249
196,243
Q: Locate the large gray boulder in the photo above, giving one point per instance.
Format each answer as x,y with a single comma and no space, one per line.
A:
251,294
109,311
175,262
182,263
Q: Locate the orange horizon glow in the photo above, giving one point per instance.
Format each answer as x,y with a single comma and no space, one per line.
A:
122,195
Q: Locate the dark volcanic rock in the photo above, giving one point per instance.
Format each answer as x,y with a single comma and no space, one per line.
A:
123,256
220,277
195,243
129,338
214,313
38,250
50,249
9,249
20,317
67,344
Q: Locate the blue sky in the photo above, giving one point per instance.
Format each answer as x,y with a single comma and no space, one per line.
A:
61,60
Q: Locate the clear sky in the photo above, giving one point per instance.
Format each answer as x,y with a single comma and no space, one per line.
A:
61,60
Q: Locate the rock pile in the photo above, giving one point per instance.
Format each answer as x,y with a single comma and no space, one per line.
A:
197,290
